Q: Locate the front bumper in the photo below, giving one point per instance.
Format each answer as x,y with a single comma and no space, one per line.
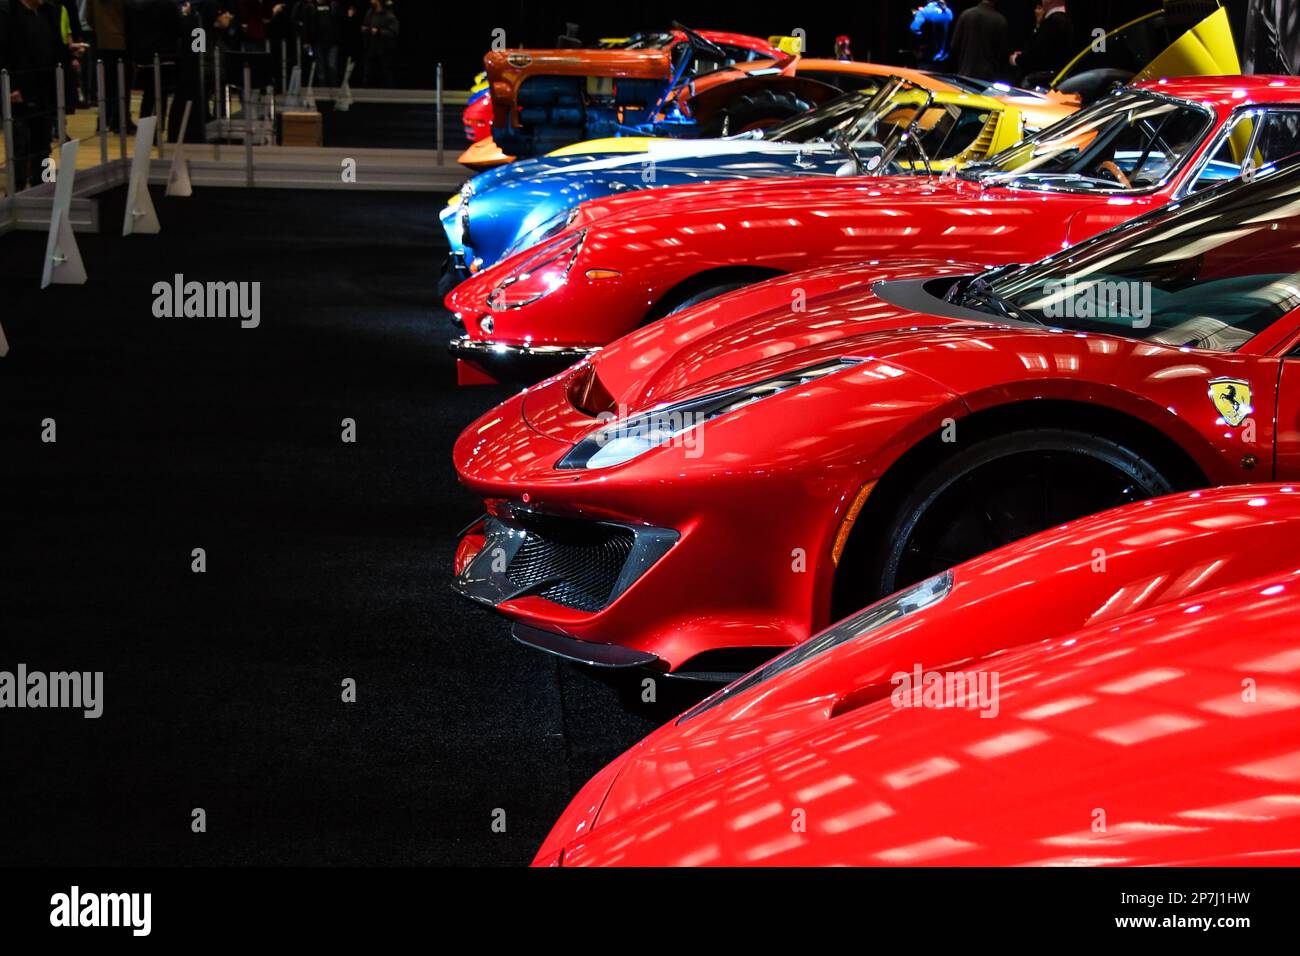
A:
490,361
726,584
573,563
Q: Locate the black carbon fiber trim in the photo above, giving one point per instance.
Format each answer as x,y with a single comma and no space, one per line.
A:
574,563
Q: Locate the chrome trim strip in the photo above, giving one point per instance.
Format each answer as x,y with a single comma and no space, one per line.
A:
465,346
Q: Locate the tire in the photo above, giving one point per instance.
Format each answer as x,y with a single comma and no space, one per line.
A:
710,292
759,109
1001,489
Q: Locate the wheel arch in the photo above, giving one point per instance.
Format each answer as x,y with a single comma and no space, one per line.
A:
1174,460
699,281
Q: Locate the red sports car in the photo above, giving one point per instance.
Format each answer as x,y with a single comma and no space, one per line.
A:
1121,690
627,260
722,484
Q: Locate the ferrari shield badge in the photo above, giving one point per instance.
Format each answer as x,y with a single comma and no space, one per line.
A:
1231,396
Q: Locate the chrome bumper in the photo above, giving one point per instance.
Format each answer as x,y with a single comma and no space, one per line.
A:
465,347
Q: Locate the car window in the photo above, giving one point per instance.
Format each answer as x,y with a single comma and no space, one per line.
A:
1257,141
949,131
738,53
1129,141
1211,276
823,122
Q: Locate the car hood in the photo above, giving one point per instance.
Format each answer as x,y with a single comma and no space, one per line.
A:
661,151
742,157
749,335
1207,551
676,207
781,325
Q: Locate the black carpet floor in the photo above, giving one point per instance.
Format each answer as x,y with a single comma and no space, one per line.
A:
325,560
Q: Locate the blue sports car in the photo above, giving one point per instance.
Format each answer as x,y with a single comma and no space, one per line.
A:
512,207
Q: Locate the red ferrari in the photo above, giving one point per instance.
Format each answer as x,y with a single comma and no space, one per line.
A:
627,260
724,483
1123,690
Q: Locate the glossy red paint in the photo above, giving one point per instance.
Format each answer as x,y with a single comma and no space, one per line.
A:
1120,686
777,478
656,243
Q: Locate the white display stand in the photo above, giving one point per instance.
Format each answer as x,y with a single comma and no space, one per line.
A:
343,102
140,216
178,178
63,265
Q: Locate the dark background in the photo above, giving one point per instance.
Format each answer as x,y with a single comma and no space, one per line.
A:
325,560
459,34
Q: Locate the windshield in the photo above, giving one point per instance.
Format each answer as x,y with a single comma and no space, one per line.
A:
1212,274
849,114
878,125
1130,141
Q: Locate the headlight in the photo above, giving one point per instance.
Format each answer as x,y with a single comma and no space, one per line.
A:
883,613
623,440
543,231
538,276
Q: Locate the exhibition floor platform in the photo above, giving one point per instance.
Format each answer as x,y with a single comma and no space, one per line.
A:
325,560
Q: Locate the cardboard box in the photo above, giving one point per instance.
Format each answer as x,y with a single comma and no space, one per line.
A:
301,129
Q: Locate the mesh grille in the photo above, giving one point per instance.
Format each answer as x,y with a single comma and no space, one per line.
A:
581,560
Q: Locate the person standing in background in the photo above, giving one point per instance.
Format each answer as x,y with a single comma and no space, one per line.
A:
350,45
932,24
189,18
153,28
379,35
279,37
318,25
74,51
30,48
1052,46
842,50
108,19
979,41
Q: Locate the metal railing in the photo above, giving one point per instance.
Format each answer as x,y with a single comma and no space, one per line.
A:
210,82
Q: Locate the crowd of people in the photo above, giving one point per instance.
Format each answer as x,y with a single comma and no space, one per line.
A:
980,44
37,36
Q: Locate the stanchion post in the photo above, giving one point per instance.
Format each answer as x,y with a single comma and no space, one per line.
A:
203,98
123,106
216,100
60,91
103,112
157,100
7,109
439,86
284,66
248,125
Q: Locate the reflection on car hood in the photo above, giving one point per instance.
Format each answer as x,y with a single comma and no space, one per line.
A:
759,331
671,208
1108,638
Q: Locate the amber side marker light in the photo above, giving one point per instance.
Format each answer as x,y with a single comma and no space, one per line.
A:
842,536
603,273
